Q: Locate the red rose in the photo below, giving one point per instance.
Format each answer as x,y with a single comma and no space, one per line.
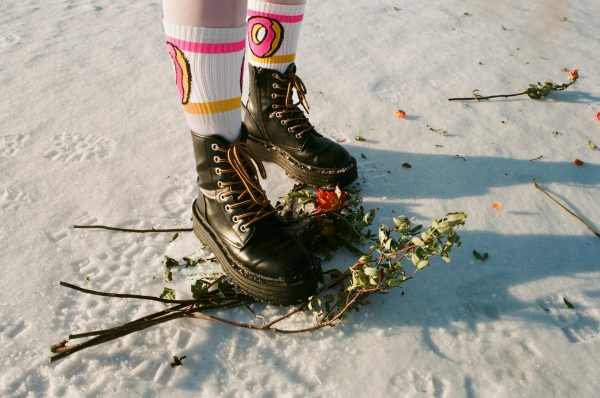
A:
330,201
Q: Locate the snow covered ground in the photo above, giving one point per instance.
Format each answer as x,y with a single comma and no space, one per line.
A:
91,132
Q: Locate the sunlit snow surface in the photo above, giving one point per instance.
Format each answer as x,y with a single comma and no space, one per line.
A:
91,132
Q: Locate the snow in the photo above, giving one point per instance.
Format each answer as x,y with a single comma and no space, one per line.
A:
91,132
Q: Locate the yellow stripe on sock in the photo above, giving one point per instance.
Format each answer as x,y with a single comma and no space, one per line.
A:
207,108
275,59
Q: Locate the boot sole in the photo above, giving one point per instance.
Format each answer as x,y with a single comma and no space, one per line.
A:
314,176
272,291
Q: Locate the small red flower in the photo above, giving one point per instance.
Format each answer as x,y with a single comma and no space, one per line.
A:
598,116
573,75
330,201
578,162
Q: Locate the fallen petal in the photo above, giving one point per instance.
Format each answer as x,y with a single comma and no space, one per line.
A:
578,162
400,114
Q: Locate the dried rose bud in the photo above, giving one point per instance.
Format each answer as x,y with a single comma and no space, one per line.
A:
573,75
578,162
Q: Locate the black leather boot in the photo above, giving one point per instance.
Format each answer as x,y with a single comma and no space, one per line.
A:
233,216
280,132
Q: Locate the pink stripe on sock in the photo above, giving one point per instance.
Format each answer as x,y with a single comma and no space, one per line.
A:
278,17
208,48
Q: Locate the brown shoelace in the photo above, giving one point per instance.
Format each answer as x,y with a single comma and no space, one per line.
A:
289,112
245,165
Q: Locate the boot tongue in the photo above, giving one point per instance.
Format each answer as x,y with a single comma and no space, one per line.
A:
291,68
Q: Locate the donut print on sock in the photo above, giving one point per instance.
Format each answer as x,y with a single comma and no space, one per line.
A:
265,36
183,77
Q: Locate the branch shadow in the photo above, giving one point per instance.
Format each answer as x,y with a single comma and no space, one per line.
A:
450,177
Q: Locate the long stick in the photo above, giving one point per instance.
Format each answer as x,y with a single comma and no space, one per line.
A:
139,231
588,226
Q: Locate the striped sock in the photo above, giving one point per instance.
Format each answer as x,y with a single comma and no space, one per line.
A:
273,33
208,66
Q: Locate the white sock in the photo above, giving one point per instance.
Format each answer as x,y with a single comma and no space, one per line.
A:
208,66
273,32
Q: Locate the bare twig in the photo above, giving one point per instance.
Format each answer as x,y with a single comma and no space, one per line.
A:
480,98
588,226
139,231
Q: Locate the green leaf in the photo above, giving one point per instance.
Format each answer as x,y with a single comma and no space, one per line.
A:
170,262
568,303
417,241
199,288
175,236
592,145
479,256
169,275
168,294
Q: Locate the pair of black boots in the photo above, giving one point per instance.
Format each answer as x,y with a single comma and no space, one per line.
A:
233,215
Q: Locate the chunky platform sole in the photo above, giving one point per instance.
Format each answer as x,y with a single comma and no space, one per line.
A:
273,291
314,176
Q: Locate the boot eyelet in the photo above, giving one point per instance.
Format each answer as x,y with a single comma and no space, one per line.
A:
290,130
273,95
218,171
227,208
216,159
274,75
222,197
278,114
274,85
298,136
235,219
283,123
243,228
214,147
219,184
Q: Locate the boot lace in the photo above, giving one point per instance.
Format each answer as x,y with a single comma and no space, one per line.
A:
245,186
288,111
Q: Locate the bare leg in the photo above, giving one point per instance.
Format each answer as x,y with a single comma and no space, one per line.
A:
205,13
287,2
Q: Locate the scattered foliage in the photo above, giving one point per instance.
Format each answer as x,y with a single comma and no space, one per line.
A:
324,221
